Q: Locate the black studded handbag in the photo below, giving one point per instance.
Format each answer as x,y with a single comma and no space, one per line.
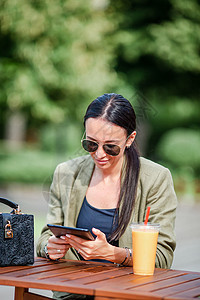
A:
16,236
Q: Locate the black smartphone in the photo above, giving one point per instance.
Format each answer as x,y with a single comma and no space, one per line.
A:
59,230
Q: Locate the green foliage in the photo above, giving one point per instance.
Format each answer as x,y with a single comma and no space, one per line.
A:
177,41
157,49
56,51
180,147
60,139
29,166
57,56
174,113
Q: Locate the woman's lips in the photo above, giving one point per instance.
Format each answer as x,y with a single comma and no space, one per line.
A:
101,162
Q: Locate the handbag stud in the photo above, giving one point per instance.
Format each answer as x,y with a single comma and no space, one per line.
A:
8,231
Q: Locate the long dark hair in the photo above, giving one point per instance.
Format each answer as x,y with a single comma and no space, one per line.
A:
118,110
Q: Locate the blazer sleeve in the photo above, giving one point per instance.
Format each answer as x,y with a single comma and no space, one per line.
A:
55,214
163,202
70,182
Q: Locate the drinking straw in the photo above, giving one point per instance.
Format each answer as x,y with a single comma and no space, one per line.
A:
147,215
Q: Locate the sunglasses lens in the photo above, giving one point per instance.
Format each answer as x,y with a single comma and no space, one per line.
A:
89,146
112,150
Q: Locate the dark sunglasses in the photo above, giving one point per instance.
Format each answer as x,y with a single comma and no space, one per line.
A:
91,146
110,149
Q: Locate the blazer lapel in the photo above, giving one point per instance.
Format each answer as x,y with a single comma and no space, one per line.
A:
79,190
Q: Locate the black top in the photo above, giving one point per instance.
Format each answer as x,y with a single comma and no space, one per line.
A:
101,219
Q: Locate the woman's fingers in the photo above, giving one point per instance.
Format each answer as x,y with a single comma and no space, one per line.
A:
58,252
75,242
53,239
99,234
89,249
57,247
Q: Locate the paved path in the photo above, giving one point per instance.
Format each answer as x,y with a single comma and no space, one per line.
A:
187,254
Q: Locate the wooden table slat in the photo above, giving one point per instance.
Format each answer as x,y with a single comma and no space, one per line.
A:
166,282
46,269
9,269
130,280
89,278
172,290
126,294
162,273
46,285
189,294
102,280
82,276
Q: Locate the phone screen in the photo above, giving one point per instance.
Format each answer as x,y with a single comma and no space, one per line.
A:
59,230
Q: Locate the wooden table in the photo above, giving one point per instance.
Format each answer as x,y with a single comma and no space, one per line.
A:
104,281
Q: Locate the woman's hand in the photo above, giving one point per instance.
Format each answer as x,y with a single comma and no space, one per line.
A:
97,249
57,247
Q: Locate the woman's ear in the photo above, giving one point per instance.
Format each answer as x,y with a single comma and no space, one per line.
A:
131,139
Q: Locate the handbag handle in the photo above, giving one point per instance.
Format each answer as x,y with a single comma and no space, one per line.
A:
9,203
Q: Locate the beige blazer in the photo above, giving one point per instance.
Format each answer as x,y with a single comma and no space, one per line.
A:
155,189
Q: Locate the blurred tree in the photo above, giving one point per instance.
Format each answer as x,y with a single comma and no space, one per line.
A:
55,56
185,154
157,50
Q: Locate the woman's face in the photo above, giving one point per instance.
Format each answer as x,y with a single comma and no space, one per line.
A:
104,132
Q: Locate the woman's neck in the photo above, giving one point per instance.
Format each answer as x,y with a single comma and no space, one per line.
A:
111,174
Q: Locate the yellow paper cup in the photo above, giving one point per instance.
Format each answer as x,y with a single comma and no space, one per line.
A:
144,240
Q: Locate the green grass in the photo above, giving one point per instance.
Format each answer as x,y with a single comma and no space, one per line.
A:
28,165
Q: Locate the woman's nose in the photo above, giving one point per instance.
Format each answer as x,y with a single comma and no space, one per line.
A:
100,152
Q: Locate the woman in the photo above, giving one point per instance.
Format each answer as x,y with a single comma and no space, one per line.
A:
108,190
